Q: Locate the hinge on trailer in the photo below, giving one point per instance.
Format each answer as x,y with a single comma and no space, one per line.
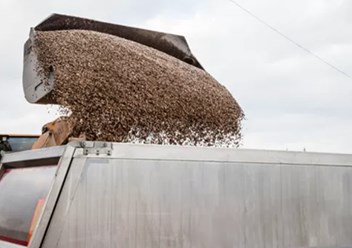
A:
96,148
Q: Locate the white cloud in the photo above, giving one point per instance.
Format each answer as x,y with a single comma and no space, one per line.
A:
291,99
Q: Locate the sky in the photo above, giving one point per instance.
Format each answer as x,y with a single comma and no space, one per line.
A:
292,100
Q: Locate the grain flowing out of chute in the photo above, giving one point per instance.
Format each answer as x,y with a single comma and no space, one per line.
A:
119,90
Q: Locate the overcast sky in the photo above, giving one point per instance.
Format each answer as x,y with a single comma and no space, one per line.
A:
291,100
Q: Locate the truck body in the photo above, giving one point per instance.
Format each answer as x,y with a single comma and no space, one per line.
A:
98,194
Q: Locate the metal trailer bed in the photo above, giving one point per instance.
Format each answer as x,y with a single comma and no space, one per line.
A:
127,195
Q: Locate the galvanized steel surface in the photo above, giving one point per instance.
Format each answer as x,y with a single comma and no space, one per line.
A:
172,199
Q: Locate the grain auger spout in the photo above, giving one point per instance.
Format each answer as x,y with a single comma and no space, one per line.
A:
38,82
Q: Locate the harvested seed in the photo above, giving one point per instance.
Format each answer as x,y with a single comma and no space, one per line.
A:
118,90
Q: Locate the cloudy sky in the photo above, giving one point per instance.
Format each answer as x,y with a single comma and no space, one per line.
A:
292,101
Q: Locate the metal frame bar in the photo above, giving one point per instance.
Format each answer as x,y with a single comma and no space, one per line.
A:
54,192
33,158
64,202
244,156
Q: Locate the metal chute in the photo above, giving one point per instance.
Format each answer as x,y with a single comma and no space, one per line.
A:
37,89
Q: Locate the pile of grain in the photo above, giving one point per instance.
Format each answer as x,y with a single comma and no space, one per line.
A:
122,91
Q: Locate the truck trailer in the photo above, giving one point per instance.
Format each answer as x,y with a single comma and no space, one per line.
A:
100,194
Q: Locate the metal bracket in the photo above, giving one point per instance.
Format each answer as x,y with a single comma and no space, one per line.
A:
96,148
